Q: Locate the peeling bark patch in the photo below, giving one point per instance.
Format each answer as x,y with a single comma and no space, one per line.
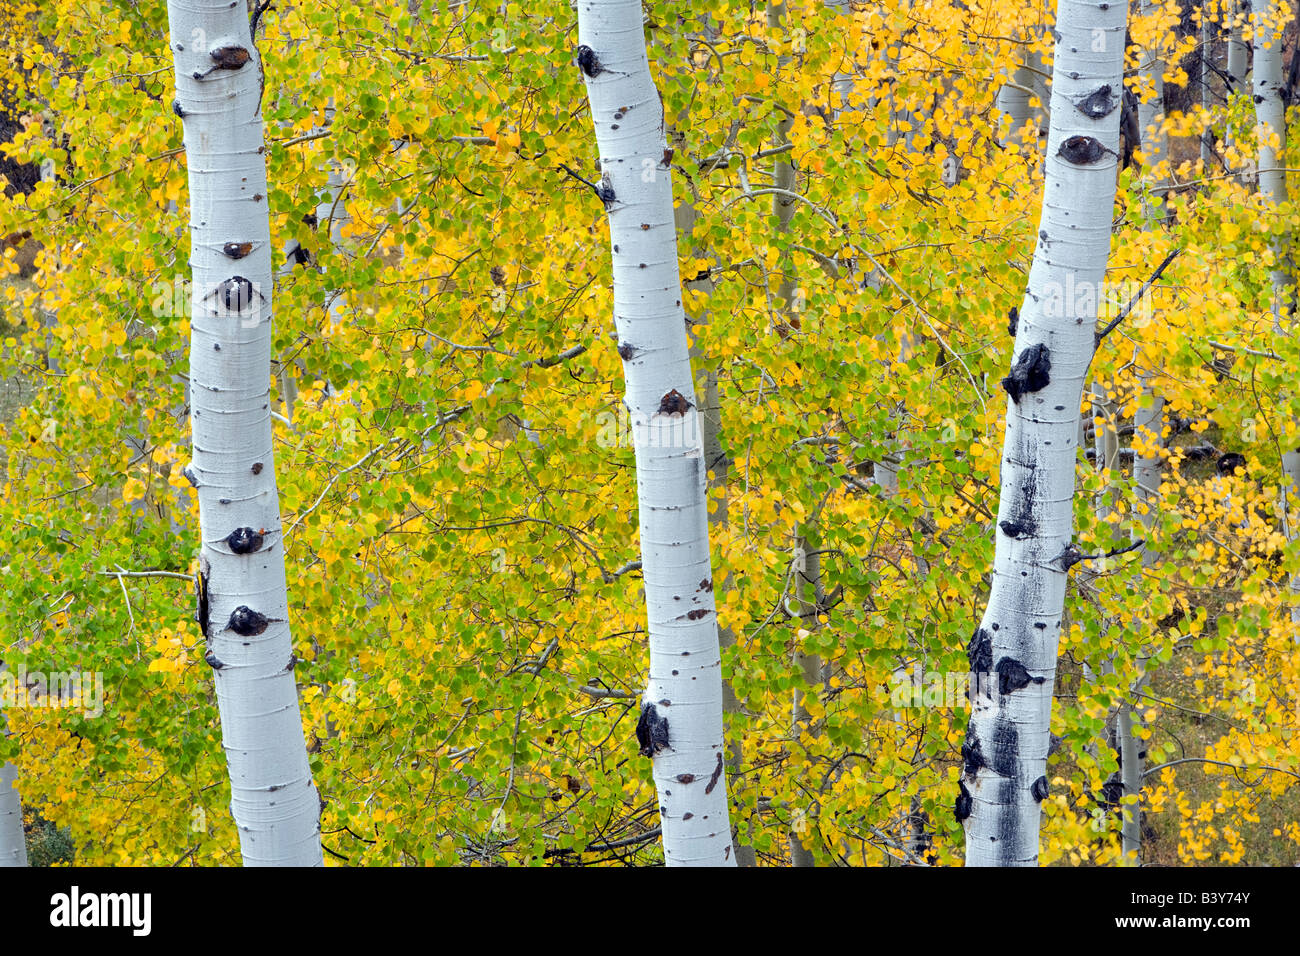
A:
980,652
246,622
244,541
213,661
237,250
713,779
201,596
1039,789
1030,373
651,731
964,802
674,403
1013,675
1101,102
1083,151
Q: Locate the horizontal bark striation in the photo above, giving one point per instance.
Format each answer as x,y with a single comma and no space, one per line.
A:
242,604
1013,652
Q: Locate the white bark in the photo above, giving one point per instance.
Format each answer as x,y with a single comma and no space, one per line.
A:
1270,125
685,683
1148,430
243,608
1014,649
13,843
1151,110
1238,52
13,840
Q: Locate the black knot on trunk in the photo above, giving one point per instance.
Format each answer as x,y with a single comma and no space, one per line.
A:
1030,373
1083,151
213,661
964,802
237,250
651,731
972,754
1039,789
1013,675
201,596
1101,102
225,58
1020,528
674,403
246,622
244,541
588,62
980,652
1013,321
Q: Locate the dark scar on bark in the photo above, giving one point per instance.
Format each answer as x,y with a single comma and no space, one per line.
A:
685,778
651,731
717,773
972,754
1083,151
674,403
213,661
1039,789
201,596
237,250
246,622
980,652
626,350
964,801
1098,103
1013,321
1030,373
1021,528
1013,675
225,58
244,541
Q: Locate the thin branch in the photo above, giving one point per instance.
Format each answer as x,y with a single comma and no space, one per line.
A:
1136,298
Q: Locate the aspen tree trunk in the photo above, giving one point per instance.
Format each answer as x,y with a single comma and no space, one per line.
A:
1151,112
1236,17
1270,127
13,839
681,714
243,607
1148,428
1013,651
